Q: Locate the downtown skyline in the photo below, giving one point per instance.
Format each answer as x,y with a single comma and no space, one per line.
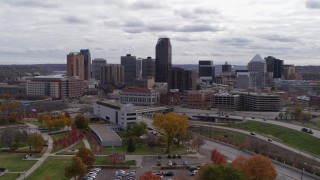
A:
41,31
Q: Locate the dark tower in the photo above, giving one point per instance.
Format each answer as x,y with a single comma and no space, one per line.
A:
207,69
226,67
274,65
87,63
163,59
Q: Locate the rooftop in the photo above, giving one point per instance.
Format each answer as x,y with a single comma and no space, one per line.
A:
104,132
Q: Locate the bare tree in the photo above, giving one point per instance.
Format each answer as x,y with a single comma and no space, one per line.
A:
197,142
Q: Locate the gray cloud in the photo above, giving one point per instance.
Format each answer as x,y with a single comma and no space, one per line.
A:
235,41
203,10
313,4
198,12
280,38
148,4
199,28
74,20
32,3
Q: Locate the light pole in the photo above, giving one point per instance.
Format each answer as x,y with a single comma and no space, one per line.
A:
303,170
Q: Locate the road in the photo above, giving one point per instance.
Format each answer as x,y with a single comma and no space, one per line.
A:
284,172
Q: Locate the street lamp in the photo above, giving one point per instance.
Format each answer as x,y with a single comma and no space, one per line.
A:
303,170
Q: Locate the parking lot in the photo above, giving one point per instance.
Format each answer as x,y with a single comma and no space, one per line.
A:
148,162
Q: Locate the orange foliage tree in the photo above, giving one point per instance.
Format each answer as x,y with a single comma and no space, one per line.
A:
171,125
256,167
148,175
218,158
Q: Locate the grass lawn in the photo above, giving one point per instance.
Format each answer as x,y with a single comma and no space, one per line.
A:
103,160
60,135
144,150
293,138
11,161
34,122
9,176
217,133
53,167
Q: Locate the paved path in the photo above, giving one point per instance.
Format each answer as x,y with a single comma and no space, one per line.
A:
86,143
41,160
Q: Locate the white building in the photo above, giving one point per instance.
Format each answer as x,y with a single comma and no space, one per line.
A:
257,68
115,112
140,97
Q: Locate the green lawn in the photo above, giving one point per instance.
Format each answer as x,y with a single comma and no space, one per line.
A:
14,162
103,160
296,139
144,150
53,167
60,135
9,176
34,122
207,131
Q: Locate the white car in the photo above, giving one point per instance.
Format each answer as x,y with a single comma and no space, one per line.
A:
170,163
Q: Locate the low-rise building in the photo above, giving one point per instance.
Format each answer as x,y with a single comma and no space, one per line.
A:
140,97
225,101
197,99
115,112
260,101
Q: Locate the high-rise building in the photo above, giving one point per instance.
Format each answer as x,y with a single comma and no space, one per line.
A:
138,67
181,79
163,59
226,68
257,68
96,67
129,64
111,75
87,63
242,79
75,65
289,71
274,65
206,70
148,67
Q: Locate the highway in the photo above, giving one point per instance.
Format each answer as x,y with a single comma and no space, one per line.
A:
284,172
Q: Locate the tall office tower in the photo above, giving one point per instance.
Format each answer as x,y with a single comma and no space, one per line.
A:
111,75
97,63
75,65
274,65
129,63
226,68
148,67
182,79
206,70
257,68
138,67
289,71
163,59
242,79
87,63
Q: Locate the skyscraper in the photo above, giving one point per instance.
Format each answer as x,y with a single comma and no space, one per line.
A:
163,59
138,67
226,68
206,70
181,79
129,63
274,65
96,67
257,68
148,67
75,65
87,63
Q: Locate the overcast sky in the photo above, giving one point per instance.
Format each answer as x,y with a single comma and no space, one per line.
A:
44,31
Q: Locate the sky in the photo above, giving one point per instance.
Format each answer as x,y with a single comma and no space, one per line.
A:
45,31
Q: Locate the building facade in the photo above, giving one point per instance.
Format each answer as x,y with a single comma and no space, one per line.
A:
87,63
197,99
163,59
225,101
13,89
148,67
111,75
140,97
274,65
129,64
226,68
260,102
75,65
242,79
96,67
115,113
181,79
206,70
257,68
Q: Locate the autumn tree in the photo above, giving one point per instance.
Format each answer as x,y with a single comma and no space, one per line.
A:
77,168
197,142
170,125
136,129
148,175
86,156
281,115
81,121
36,141
221,172
256,167
218,158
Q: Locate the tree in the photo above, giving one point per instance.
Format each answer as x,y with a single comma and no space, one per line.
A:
81,121
306,117
197,142
36,141
281,115
86,156
170,125
256,167
137,129
148,175
43,118
131,146
68,122
221,172
218,158
7,137
77,168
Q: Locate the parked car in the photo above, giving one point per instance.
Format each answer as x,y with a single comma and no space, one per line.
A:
169,173
194,172
269,139
174,163
169,156
252,133
179,156
159,156
185,163
159,163
169,163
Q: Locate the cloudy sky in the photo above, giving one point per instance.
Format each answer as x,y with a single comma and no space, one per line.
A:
44,31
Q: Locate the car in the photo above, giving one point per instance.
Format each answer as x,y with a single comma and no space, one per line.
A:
253,117
252,133
179,156
226,116
159,173
174,163
194,172
169,156
169,173
304,129
159,163
159,157
174,156
185,163
169,163
269,139
193,168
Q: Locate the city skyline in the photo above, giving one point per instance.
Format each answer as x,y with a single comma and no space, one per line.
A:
47,31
